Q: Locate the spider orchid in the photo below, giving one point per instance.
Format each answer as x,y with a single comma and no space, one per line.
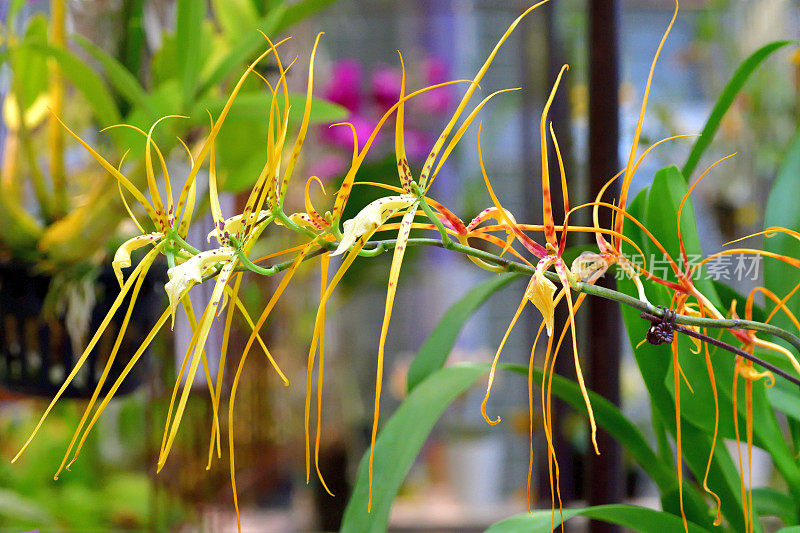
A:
375,217
745,369
541,291
188,266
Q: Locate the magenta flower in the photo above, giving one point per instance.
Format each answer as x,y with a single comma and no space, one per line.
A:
385,86
344,85
434,70
328,166
342,136
418,144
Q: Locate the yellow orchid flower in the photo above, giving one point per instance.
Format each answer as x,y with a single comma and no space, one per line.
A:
184,276
230,226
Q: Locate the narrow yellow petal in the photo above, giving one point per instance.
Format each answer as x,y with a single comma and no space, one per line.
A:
141,267
394,275
428,166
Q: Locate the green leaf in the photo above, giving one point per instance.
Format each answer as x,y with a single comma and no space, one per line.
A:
235,16
17,508
436,348
654,363
785,398
120,78
666,193
724,103
86,81
254,106
610,418
188,38
30,75
299,11
782,211
398,444
771,502
792,529
242,51
639,519
698,407
278,19
727,294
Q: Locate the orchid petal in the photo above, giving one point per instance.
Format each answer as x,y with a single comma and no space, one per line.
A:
184,276
122,258
540,292
370,218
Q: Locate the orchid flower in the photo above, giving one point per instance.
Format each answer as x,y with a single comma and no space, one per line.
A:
170,220
375,216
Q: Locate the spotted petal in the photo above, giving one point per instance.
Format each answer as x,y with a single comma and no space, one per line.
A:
370,218
231,226
184,276
122,258
540,291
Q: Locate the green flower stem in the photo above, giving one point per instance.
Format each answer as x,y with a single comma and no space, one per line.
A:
379,246
447,242
249,265
174,237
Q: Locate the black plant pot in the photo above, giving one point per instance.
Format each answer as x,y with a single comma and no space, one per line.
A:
36,354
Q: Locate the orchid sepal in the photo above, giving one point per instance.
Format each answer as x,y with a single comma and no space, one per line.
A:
371,217
122,257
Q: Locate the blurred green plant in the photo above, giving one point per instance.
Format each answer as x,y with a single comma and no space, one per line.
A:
75,208
99,495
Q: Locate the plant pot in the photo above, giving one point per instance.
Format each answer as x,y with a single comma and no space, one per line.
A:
37,353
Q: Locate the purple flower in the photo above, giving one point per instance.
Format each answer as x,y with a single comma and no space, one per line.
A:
385,86
417,143
342,136
436,101
344,85
328,166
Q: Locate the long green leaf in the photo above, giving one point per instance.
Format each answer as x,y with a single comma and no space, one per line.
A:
610,418
278,19
85,80
782,211
119,77
235,16
654,363
724,103
639,519
398,444
771,502
241,51
665,195
437,347
299,11
253,107
188,38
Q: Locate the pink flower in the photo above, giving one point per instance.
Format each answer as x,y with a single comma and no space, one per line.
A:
342,136
344,85
328,166
385,86
438,101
